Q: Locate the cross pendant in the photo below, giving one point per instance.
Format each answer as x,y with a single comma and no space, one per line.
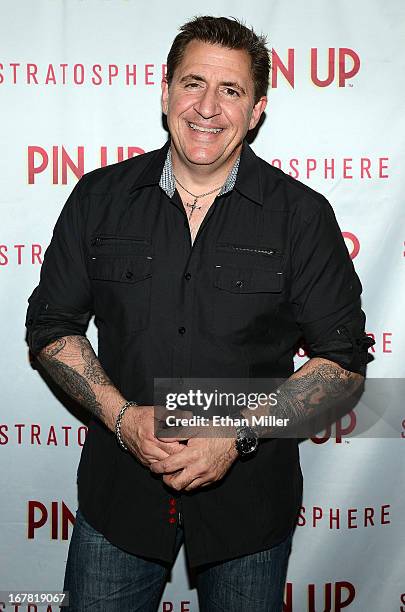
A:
193,207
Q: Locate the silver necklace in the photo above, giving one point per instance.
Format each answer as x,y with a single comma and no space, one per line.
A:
196,197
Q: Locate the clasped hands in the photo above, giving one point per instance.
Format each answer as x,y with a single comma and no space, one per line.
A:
186,460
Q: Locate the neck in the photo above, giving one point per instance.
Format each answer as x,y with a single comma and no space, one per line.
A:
198,178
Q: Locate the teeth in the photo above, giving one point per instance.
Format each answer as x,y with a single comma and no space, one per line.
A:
203,129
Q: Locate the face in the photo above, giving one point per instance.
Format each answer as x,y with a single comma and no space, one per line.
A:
210,105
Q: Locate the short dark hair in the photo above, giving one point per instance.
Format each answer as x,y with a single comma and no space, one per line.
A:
230,33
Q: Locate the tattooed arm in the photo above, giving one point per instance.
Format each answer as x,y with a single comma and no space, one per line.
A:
72,363
311,399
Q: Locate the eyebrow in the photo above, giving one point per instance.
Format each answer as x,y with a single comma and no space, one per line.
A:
197,77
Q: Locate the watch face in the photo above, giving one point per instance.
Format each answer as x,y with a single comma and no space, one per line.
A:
246,442
248,445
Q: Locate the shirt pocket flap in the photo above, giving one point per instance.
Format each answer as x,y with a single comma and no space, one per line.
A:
127,269
248,280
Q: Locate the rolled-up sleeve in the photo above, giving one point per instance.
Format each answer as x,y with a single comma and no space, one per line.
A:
325,292
61,305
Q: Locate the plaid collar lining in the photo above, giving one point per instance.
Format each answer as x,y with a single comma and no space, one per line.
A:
168,183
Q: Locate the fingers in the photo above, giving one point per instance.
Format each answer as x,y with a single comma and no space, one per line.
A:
173,447
181,480
138,434
188,481
148,452
173,463
149,455
184,470
203,462
196,483
170,448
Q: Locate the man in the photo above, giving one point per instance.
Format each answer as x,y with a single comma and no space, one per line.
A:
197,260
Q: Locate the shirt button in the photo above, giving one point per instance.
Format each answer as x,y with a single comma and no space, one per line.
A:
129,274
182,330
187,276
239,283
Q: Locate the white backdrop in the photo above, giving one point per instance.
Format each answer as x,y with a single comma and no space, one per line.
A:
68,96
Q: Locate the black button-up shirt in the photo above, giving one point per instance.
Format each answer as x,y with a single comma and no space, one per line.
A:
268,267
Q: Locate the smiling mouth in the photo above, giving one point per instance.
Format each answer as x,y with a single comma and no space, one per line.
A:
199,128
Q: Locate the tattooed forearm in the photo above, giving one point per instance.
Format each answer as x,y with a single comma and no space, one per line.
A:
302,395
93,370
310,398
54,348
74,366
72,383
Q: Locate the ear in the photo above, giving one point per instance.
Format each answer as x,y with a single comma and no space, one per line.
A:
165,96
257,112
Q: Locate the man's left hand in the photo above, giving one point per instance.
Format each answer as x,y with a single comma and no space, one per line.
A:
201,462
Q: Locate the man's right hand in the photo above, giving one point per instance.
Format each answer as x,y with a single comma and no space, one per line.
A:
138,428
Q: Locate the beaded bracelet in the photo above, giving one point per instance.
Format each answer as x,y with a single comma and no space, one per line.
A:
118,423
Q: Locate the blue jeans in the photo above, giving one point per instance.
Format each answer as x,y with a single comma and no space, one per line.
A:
103,578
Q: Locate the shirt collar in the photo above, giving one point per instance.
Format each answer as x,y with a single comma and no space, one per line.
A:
168,183
244,176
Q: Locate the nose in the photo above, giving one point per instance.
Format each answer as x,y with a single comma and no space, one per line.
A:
207,105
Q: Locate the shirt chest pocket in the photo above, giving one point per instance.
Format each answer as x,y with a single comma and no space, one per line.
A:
120,269
245,299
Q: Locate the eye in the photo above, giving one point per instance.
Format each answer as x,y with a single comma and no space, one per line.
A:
232,93
192,85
